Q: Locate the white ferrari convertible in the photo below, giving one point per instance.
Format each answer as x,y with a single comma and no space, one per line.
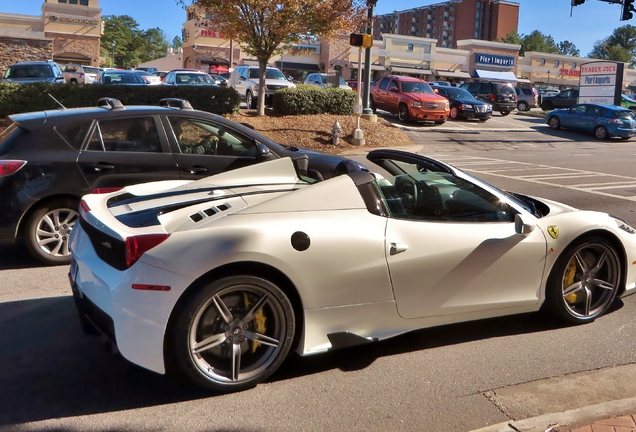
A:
218,279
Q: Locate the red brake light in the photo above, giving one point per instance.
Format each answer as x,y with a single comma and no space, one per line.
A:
84,206
493,97
8,167
138,245
100,191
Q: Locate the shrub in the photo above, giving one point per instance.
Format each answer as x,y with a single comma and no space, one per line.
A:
307,99
17,98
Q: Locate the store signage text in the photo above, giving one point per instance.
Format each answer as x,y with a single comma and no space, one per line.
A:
74,20
496,60
570,72
211,33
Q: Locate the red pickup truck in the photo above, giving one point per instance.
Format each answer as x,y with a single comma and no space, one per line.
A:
410,98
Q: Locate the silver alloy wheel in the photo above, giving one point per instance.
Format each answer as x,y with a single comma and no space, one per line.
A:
554,123
237,334
590,280
403,113
522,106
249,100
53,230
454,113
600,132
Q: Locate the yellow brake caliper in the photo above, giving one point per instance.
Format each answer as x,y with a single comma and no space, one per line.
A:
259,322
568,280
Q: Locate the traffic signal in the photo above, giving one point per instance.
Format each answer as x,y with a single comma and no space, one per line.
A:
577,2
628,8
361,40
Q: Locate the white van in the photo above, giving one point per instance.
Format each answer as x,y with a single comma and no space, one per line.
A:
244,79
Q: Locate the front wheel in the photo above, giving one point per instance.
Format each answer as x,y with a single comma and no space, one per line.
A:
250,101
584,281
601,133
233,333
454,113
505,113
47,232
554,123
403,113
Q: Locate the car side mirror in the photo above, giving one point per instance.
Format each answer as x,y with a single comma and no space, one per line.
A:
263,152
523,225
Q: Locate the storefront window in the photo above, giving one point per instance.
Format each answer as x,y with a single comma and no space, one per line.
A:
409,47
542,62
556,63
573,65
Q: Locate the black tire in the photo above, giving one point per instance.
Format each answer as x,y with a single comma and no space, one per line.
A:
372,105
523,106
600,132
504,113
250,101
440,122
454,113
584,280
403,113
547,106
241,317
554,123
47,229
625,138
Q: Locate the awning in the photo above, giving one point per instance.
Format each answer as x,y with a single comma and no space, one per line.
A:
411,70
523,80
452,74
374,67
495,75
310,67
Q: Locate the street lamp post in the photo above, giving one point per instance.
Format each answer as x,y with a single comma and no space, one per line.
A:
113,45
367,60
548,77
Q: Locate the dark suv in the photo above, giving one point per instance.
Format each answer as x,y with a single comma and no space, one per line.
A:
50,159
500,95
35,71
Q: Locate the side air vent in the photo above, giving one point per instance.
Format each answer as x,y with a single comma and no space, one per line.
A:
197,217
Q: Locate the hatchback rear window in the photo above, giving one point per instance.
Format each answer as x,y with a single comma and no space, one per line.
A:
29,71
8,136
624,114
505,88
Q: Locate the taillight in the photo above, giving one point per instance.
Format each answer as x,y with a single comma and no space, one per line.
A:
100,191
615,120
81,75
84,206
138,245
8,167
493,97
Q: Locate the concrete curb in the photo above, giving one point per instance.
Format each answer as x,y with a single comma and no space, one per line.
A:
569,419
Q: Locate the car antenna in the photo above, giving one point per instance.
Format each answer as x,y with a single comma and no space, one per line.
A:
56,101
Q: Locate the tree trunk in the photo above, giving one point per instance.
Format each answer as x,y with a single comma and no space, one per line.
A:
262,65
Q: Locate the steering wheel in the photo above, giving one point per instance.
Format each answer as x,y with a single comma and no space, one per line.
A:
210,142
407,189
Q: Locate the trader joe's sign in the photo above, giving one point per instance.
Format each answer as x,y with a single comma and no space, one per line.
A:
601,82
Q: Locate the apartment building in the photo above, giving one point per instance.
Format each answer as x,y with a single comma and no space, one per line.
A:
452,20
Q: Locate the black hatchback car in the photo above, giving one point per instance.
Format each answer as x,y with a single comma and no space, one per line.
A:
500,95
50,159
463,104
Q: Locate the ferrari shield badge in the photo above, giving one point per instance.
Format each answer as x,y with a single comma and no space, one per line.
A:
553,231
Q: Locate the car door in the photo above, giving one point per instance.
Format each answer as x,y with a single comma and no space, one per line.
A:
575,117
203,147
125,151
380,93
451,244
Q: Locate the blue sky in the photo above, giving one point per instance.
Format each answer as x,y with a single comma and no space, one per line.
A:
592,21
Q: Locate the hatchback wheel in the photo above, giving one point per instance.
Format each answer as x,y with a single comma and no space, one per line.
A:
454,113
554,123
584,281
47,232
601,133
403,113
232,334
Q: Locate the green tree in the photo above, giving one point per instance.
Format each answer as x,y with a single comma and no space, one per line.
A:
263,26
619,46
177,42
131,45
511,38
156,45
537,41
568,48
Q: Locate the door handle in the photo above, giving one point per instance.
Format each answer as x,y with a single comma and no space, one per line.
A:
196,170
101,166
397,248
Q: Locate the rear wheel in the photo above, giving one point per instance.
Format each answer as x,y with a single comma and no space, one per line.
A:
601,133
505,113
584,281
232,334
403,113
523,106
373,107
47,230
554,123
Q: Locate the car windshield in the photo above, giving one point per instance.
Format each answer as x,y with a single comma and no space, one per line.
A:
90,70
269,74
29,71
459,93
119,77
416,87
626,115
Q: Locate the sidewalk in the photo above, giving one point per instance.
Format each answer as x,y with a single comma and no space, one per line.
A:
614,416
